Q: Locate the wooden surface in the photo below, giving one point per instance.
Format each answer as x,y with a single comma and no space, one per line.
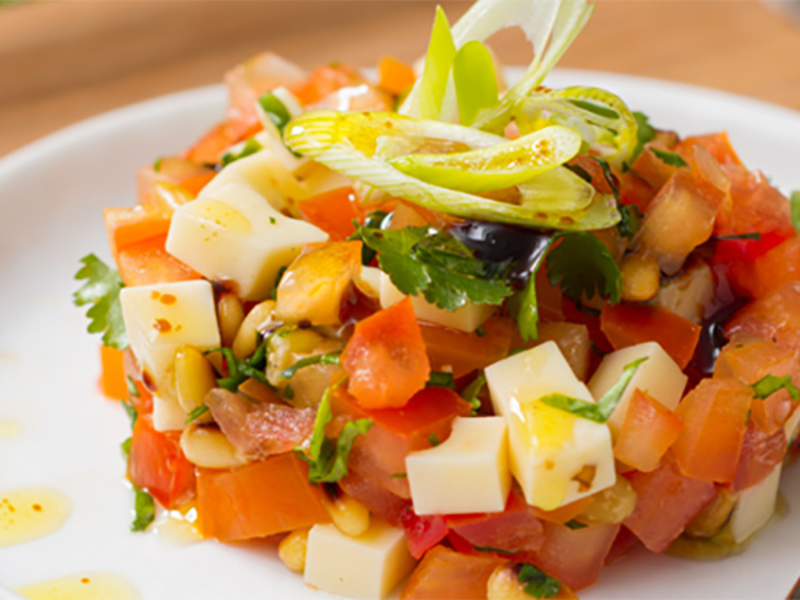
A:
62,62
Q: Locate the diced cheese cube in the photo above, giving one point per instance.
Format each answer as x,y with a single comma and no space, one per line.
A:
168,415
370,281
791,425
160,318
368,566
235,236
755,506
467,318
659,376
555,457
467,473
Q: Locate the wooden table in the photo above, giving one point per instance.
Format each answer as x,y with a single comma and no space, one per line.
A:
63,62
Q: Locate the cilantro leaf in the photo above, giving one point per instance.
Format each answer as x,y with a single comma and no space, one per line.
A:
441,379
538,583
144,510
331,358
470,393
794,203
131,411
631,220
435,264
581,265
196,413
670,158
101,290
769,384
239,370
610,178
644,132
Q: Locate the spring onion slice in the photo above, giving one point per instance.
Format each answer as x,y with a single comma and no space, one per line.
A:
436,73
502,166
559,190
602,118
475,81
346,143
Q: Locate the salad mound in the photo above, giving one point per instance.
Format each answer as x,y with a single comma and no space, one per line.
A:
428,328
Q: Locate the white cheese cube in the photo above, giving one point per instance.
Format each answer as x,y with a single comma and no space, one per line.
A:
555,457
791,425
368,566
235,236
467,318
168,415
467,473
370,281
755,506
659,376
162,317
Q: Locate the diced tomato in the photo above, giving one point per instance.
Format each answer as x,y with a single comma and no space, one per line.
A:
380,454
648,430
257,500
667,501
516,529
760,453
777,266
717,144
394,76
214,143
157,464
195,184
333,212
714,418
112,373
624,543
650,167
445,574
574,556
774,316
630,324
375,497
423,532
129,226
635,191
466,352
325,80
386,358
148,262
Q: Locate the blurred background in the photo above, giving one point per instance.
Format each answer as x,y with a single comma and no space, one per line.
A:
61,62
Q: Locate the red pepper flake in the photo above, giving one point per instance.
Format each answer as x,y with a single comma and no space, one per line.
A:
85,580
162,325
168,299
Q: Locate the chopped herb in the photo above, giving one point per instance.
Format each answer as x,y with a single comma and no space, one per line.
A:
602,410
424,260
398,475
240,370
515,351
573,524
594,108
331,358
470,393
196,413
441,379
670,158
101,290
631,220
794,206
251,146
587,310
133,391
274,291
327,458
130,410
581,265
644,132
275,110
527,316
495,550
769,384
580,172
377,219
611,179
157,164
753,235
596,349
126,448
538,583
288,392
434,441
144,510
272,221
480,331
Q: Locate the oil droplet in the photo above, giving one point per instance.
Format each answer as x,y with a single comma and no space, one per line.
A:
10,429
226,217
82,586
168,299
175,528
162,325
31,513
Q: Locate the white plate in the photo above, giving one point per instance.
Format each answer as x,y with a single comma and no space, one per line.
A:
51,198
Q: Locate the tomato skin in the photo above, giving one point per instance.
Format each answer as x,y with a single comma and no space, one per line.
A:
386,358
778,265
157,464
128,226
148,262
648,430
375,497
630,324
775,316
667,501
445,574
760,453
332,211
423,532
257,500
714,418
466,352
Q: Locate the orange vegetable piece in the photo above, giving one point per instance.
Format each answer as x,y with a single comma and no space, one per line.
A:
325,80
257,500
157,464
667,501
445,574
112,373
128,226
772,269
630,324
332,211
465,352
714,420
148,262
386,358
195,184
760,453
774,316
394,75
717,144
648,430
